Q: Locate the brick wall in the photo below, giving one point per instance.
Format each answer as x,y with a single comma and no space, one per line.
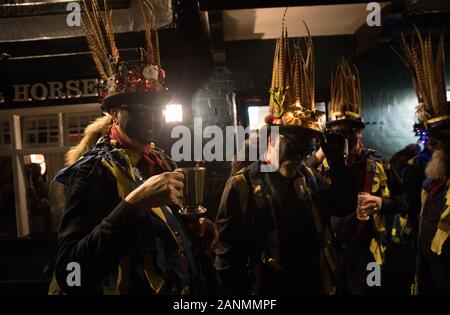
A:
388,96
388,100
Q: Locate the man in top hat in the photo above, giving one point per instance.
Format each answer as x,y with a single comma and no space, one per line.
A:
362,234
121,225
433,112
274,226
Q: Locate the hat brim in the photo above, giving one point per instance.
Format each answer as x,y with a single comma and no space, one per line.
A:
144,98
298,132
356,123
440,129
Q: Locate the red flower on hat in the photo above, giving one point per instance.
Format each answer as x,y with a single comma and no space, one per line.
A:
269,119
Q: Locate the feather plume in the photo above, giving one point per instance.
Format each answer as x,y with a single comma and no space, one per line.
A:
146,17
428,74
151,26
345,88
99,34
293,75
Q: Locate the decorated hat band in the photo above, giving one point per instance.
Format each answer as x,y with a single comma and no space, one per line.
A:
127,81
292,90
345,115
432,122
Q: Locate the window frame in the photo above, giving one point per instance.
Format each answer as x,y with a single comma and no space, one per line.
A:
16,150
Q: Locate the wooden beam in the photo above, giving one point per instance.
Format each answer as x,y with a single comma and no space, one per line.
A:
49,8
210,5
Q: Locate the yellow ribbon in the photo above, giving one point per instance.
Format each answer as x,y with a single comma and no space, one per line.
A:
443,230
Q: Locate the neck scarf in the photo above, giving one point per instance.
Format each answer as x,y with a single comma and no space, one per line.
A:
150,157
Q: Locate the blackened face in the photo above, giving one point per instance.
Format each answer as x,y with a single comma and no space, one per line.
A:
293,149
352,135
140,123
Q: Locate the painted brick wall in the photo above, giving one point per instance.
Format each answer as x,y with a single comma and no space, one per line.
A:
388,100
388,96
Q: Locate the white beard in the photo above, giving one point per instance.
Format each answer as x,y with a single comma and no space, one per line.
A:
437,167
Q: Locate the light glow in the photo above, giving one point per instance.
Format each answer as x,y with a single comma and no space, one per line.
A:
173,113
39,159
256,115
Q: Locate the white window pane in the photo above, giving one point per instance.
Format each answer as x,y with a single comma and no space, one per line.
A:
75,125
45,133
256,115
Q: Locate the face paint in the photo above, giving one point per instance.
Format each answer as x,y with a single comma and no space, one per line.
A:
140,123
351,139
292,149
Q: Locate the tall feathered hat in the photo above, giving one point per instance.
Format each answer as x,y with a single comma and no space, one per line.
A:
433,110
292,92
128,81
345,96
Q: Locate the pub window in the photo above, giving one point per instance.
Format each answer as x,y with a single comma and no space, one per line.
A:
40,130
256,115
5,133
75,125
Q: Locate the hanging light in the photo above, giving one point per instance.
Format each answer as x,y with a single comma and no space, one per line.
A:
173,113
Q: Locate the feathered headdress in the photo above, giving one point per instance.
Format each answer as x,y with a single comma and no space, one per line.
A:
433,110
345,95
137,81
293,84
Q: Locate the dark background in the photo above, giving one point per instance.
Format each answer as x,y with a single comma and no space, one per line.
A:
202,85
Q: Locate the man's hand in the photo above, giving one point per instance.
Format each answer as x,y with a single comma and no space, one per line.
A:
209,236
320,155
158,190
333,147
370,205
204,232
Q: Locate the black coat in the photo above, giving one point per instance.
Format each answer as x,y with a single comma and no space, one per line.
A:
244,226
99,230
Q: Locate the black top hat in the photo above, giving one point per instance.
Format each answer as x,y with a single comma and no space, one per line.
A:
293,88
135,82
127,82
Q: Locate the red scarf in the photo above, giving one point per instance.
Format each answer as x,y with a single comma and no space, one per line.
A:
150,157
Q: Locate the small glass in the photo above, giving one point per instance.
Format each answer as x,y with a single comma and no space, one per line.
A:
361,198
